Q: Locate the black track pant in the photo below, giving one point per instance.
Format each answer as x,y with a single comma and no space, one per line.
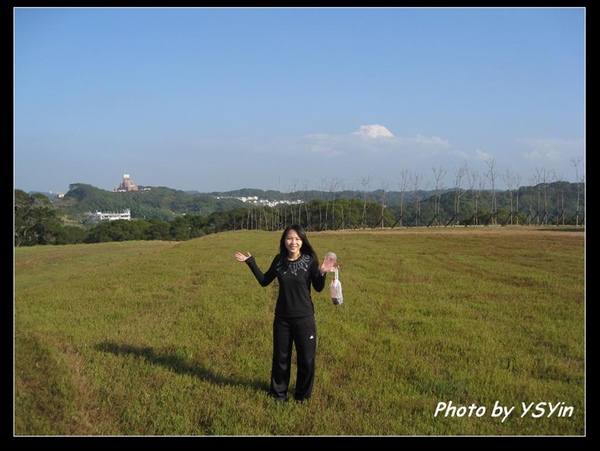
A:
302,333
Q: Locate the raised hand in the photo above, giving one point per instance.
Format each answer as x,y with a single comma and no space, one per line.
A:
328,266
241,257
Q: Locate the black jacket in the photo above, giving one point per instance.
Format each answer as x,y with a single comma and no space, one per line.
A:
295,279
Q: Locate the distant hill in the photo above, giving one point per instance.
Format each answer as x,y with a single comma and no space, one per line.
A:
166,203
152,203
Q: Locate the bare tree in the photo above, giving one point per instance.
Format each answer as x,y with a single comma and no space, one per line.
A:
510,181
383,188
491,176
458,193
542,177
403,186
365,182
476,186
531,216
517,180
575,164
343,220
292,208
559,189
322,190
305,202
332,190
438,174
416,180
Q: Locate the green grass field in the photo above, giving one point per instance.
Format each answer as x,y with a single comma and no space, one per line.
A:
443,332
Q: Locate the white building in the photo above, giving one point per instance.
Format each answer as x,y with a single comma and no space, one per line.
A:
109,216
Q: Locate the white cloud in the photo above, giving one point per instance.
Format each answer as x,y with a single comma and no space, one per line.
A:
371,150
549,149
460,154
324,149
433,140
371,142
481,155
374,131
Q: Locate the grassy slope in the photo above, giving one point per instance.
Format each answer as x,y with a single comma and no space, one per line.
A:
161,338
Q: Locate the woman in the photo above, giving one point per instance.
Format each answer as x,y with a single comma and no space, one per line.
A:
296,268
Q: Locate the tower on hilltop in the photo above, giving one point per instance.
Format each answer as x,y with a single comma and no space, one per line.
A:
126,185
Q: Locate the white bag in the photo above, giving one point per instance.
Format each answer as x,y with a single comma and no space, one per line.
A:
335,289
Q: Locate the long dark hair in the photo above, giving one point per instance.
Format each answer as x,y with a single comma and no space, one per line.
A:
306,246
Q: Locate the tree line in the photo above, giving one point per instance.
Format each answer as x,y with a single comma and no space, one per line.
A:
40,221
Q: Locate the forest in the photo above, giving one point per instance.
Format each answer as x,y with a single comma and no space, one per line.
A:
160,213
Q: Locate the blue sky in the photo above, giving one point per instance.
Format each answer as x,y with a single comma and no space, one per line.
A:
218,99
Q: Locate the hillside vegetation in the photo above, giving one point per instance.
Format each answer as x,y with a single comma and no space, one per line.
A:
165,214
548,201
163,338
